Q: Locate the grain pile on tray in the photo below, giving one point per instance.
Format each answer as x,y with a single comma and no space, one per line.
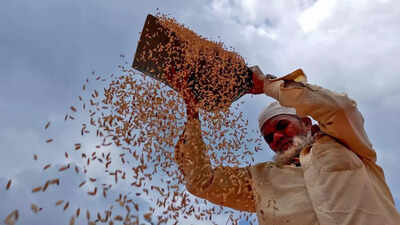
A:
170,52
216,70
142,119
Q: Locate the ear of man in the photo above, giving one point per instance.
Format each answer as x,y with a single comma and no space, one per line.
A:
307,122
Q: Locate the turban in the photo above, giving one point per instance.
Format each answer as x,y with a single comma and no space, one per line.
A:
272,110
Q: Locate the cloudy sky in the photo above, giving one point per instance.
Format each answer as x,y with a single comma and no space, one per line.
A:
48,48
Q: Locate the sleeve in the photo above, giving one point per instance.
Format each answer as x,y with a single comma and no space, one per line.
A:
226,186
336,114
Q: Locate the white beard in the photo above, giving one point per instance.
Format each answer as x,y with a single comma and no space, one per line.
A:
287,156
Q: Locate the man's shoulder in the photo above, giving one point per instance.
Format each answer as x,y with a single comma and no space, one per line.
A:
259,167
264,164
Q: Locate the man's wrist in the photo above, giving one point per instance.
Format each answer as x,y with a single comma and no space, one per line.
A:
272,89
192,113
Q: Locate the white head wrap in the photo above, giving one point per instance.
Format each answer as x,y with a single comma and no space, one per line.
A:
272,110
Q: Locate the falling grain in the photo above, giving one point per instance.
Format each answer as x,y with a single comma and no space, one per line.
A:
72,220
78,212
87,215
147,216
142,119
94,192
35,208
46,166
118,218
81,184
77,146
8,184
63,168
12,218
59,202
55,181
36,189
76,169
66,206
46,185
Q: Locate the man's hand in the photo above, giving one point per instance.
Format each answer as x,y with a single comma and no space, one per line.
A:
259,81
192,110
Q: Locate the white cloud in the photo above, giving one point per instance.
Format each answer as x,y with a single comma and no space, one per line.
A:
310,18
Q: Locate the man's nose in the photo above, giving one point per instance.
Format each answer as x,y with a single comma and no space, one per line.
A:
278,136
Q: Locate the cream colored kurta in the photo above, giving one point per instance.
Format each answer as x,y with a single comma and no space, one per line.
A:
338,182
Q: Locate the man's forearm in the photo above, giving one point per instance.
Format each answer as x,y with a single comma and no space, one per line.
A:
190,154
192,113
227,186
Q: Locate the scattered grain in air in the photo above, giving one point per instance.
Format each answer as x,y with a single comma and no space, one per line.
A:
118,218
78,212
47,125
134,102
46,185
36,189
35,157
147,216
81,184
63,168
87,214
77,146
77,169
72,220
94,192
8,184
46,166
12,218
104,193
35,208
66,206
55,181
49,140
59,202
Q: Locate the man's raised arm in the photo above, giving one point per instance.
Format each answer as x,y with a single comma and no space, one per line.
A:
336,114
227,186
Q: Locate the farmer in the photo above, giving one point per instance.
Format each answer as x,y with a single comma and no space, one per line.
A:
321,174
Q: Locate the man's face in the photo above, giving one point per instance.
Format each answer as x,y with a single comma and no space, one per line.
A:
280,130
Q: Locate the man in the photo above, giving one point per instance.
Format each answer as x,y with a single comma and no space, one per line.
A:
322,174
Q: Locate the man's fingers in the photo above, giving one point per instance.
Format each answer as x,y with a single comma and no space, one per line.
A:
270,76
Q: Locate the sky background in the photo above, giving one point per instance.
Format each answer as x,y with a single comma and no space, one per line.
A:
48,49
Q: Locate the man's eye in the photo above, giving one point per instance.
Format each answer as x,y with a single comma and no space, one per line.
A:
269,137
282,124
